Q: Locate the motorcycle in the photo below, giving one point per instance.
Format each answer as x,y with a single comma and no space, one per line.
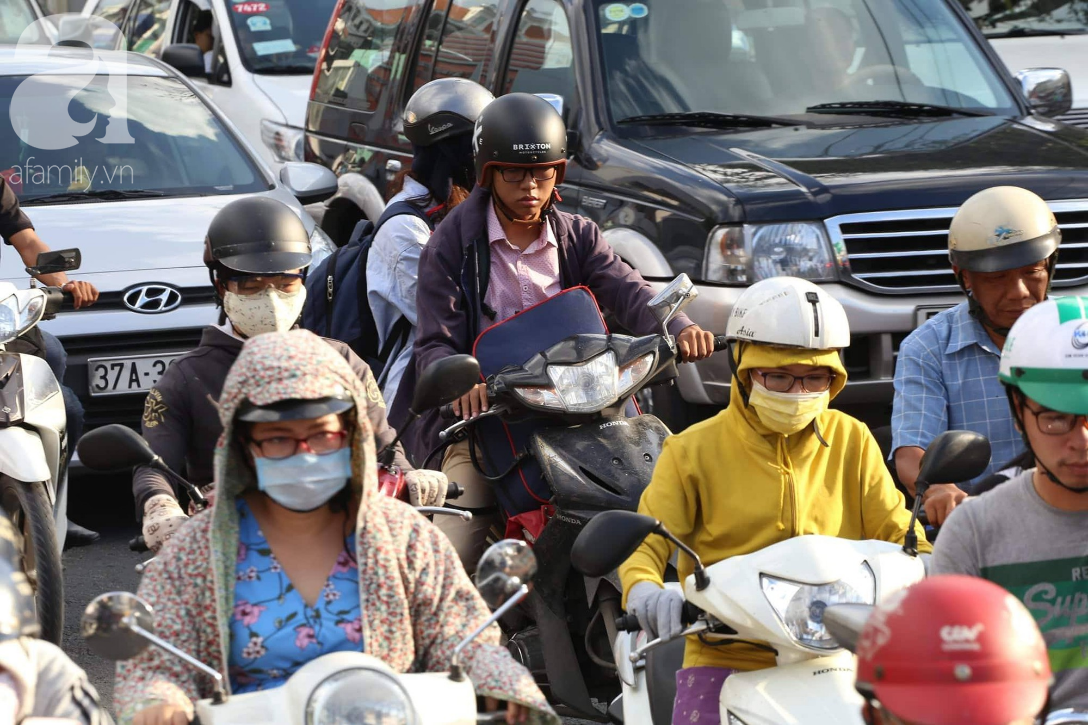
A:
33,438
338,687
777,595
565,451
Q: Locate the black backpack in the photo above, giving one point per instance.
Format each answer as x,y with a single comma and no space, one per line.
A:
336,294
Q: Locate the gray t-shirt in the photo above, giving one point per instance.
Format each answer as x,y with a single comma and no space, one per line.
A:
1040,554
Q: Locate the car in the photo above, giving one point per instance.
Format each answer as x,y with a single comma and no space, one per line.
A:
138,211
18,15
831,140
1031,35
112,11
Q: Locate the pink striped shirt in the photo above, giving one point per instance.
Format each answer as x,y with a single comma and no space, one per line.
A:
519,279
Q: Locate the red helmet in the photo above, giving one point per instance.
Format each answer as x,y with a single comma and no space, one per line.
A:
953,650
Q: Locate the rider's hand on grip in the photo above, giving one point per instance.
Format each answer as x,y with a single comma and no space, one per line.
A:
426,488
170,713
162,518
659,610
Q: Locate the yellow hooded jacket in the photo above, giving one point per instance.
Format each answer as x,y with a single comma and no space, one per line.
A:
730,486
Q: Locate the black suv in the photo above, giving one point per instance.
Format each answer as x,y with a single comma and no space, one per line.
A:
733,140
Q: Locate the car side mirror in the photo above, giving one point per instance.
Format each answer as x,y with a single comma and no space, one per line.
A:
608,540
671,301
954,456
186,58
114,447
444,381
53,262
1048,91
503,569
309,183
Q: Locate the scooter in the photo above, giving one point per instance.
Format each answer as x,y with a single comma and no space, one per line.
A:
777,596
561,444
33,438
349,687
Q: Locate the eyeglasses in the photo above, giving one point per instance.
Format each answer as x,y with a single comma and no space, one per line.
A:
516,174
784,382
1054,423
252,284
286,446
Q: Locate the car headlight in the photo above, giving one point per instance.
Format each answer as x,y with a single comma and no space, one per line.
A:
321,246
748,253
360,696
800,607
285,142
19,312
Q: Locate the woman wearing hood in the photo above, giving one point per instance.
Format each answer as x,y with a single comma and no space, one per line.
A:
775,464
301,556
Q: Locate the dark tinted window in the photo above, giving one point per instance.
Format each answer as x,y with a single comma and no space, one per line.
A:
466,28
541,59
280,36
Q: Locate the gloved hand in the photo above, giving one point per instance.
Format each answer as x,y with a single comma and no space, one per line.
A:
658,609
162,518
426,488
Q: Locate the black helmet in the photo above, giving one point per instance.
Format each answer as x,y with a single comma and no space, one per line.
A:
17,612
257,235
520,129
443,108
295,409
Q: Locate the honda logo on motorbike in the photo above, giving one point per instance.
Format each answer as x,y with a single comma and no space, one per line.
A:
152,298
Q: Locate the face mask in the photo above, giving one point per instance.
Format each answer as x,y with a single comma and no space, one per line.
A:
267,311
304,481
787,413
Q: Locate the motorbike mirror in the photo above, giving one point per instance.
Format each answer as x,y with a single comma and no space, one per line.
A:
608,540
105,628
113,447
52,262
503,569
444,381
845,621
670,302
954,456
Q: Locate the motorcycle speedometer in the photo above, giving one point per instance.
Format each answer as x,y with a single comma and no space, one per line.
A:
360,695
800,607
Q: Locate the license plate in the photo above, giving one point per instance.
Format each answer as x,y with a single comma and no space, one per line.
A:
921,314
135,374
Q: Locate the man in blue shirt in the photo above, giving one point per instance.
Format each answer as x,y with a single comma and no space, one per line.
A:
1003,245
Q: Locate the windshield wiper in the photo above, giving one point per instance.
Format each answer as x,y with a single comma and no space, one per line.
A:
891,108
105,194
1020,31
710,119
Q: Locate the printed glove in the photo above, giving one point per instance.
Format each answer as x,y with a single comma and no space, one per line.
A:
426,488
162,518
658,609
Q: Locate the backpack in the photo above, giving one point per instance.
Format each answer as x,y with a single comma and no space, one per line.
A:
336,294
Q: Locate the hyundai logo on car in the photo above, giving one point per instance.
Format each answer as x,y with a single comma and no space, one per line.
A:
152,298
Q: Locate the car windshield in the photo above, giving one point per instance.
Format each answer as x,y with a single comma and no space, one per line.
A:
280,36
1004,18
177,146
15,17
777,59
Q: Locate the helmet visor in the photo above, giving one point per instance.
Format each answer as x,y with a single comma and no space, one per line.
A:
1009,256
265,257
1065,391
984,703
293,409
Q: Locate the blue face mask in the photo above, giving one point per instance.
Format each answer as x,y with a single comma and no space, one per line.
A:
304,481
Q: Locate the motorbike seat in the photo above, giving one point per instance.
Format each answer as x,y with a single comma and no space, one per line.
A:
662,664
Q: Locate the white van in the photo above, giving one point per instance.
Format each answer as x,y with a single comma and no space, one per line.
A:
259,68
1040,35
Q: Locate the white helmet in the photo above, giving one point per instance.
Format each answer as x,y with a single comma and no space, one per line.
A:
1046,354
1001,228
789,312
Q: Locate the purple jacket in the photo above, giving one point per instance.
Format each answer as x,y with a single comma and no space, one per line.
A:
454,270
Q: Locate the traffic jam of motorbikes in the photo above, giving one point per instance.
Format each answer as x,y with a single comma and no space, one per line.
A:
427,362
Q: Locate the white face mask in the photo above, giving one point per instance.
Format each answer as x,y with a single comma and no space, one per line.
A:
267,311
787,413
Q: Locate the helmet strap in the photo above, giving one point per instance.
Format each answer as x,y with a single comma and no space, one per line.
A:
1014,403
734,368
508,214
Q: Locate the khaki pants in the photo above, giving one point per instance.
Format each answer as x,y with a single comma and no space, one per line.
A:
469,538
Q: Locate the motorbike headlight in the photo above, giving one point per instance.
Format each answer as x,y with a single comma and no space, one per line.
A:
19,312
321,246
800,607
39,384
583,388
635,372
360,696
285,142
744,254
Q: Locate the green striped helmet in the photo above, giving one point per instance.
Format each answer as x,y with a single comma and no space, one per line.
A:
1046,354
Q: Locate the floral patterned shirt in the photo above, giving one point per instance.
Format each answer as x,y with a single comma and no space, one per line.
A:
273,631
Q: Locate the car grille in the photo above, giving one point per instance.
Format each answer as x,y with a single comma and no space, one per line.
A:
113,300
1077,117
905,252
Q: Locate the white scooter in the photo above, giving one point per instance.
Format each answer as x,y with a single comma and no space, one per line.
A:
33,438
776,596
341,687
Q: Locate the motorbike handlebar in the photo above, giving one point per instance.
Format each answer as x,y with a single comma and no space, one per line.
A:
688,615
454,490
446,412
720,343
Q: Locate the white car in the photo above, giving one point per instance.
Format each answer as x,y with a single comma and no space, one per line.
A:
137,211
16,16
259,70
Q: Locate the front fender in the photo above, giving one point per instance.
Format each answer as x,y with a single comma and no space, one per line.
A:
22,455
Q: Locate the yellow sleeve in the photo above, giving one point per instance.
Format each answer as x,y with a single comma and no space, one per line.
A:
885,515
668,499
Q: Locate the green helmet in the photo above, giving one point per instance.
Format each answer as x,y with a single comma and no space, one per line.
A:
1046,355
